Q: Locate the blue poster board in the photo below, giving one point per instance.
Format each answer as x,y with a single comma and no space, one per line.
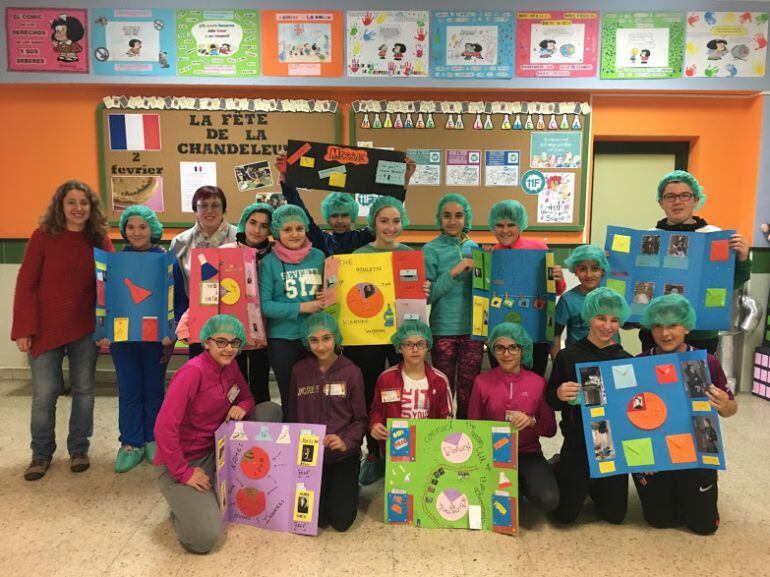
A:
648,414
645,264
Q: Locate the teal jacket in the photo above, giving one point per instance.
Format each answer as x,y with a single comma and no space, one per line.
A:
450,298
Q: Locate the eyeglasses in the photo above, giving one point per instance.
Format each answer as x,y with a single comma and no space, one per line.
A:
683,196
513,349
419,345
214,206
222,343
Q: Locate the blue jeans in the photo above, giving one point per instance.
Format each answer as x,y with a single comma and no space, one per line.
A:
46,381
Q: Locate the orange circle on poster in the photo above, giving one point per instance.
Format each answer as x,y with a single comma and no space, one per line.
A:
365,300
647,411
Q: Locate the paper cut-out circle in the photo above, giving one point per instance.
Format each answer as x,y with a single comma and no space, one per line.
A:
452,504
230,291
457,448
365,300
647,411
250,501
255,463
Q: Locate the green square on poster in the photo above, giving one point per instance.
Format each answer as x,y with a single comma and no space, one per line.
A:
638,452
619,286
716,297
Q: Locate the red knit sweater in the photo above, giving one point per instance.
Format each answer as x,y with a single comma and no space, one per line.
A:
55,290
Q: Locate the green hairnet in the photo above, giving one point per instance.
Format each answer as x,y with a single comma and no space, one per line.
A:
671,309
156,228
605,301
252,208
384,202
317,322
587,252
412,328
339,203
287,213
517,334
459,199
223,324
511,210
686,178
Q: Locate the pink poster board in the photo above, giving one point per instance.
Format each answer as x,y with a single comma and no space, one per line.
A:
47,39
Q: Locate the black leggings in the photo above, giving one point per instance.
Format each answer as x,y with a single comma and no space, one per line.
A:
339,493
537,482
255,367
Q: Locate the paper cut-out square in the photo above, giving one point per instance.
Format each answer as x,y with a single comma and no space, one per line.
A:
621,243
597,411
607,467
681,448
701,406
720,250
496,302
307,161
716,297
619,286
638,452
524,302
710,460
624,376
666,374
337,179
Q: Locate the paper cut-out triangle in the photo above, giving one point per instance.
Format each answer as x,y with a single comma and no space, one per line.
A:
504,481
138,294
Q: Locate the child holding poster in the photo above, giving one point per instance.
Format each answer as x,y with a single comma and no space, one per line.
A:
448,265
328,389
689,495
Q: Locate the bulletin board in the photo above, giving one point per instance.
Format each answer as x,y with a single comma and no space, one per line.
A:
156,151
485,151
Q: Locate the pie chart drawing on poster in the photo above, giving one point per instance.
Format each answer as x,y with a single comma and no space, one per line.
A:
229,291
250,501
255,463
647,411
457,448
365,300
452,505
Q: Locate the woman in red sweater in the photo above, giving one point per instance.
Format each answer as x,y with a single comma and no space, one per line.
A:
53,315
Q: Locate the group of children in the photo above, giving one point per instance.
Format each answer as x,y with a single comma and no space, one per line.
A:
353,393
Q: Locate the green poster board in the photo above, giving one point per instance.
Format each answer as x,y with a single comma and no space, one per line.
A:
453,474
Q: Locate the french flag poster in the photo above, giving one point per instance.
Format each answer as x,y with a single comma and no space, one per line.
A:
134,132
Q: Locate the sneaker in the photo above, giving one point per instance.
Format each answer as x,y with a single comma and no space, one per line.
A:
79,462
37,469
128,457
372,469
149,452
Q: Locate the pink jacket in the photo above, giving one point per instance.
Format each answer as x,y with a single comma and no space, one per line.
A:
495,392
522,242
195,405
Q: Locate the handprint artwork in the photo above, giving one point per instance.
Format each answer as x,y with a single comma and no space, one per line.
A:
387,43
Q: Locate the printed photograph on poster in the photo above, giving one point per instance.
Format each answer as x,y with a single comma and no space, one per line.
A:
726,44
696,378
302,43
193,175
706,434
669,288
428,171
137,190
677,245
650,244
501,168
643,291
253,176
556,202
463,168
274,199
555,150
47,39
592,386
556,43
387,43
602,438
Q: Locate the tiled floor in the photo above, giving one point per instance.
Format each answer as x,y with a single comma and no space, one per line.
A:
100,523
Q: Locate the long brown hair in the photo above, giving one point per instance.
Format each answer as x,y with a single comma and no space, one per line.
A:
54,221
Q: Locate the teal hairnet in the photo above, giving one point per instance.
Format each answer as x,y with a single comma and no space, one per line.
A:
223,324
284,214
517,334
511,210
605,301
462,201
671,309
251,209
317,322
412,328
587,252
686,178
156,228
339,203
384,202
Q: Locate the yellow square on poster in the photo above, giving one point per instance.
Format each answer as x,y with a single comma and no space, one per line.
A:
307,161
307,453
337,179
701,406
597,411
607,467
710,460
120,329
621,243
480,320
550,283
303,504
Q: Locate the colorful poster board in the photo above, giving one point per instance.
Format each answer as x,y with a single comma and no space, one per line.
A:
371,294
224,281
134,296
726,44
645,264
324,166
452,474
557,44
387,43
649,414
302,43
513,286
269,474
472,44
47,39
760,384
133,41
217,42
642,45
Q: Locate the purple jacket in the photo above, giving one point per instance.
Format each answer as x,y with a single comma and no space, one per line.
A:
334,398
195,405
495,392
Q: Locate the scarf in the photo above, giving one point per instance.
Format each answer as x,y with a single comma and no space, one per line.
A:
262,249
292,256
202,240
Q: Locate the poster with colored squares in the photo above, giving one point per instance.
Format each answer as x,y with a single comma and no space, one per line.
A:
133,41
217,42
269,474
452,474
472,44
648,414
134,296
642,45
47,39
513,286
224,281
557,44
726,44
387,43
645,264
372,294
